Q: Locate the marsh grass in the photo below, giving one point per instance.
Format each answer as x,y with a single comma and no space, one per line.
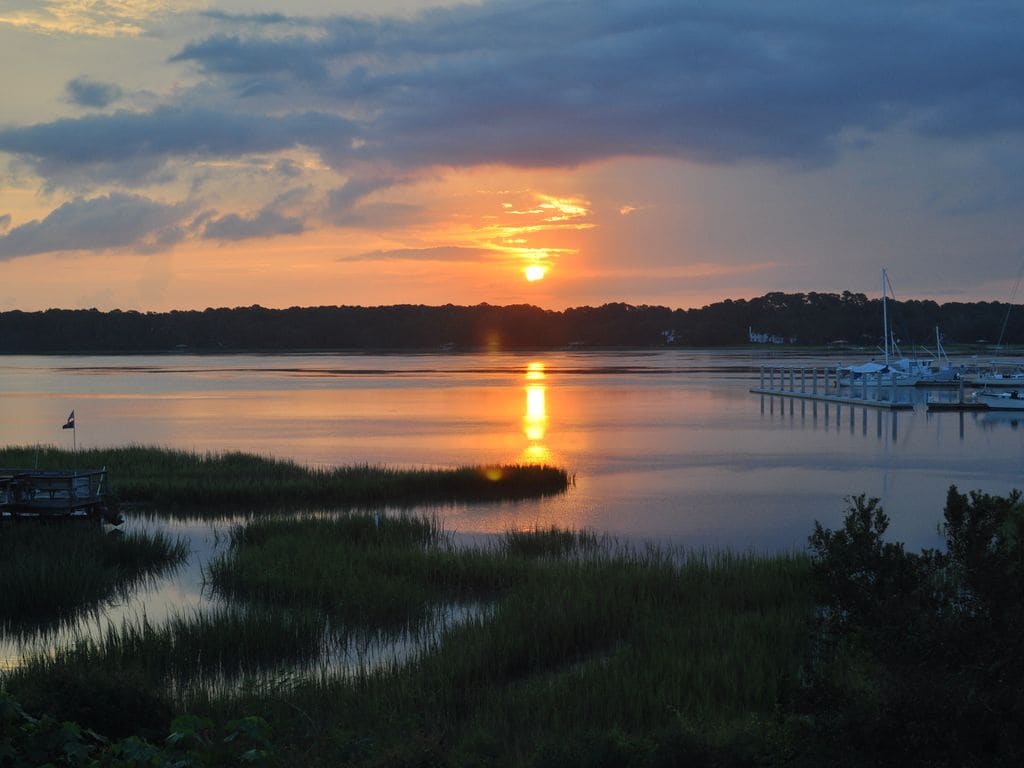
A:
581,646
204,648
52,573
214,481
371,572
583,635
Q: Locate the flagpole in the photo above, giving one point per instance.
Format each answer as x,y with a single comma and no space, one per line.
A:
70,424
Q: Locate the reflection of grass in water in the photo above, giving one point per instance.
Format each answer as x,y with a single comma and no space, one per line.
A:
581,637
175,659
148,475
53,573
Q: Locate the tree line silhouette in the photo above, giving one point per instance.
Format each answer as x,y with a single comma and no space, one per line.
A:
810,318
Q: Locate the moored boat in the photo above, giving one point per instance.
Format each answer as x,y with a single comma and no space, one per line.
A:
34,493
1001,401
1006,378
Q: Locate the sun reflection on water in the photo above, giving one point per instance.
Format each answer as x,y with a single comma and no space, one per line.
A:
535,419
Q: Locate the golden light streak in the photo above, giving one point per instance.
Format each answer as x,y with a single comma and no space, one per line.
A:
94,18
535,421
564,208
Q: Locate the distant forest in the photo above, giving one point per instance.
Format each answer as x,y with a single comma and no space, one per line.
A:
808,319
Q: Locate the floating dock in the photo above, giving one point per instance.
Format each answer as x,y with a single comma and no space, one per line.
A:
804,384
956,406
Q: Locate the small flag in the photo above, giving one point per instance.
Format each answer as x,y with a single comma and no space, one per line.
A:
70,422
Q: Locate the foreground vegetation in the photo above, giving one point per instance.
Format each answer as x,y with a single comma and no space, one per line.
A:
569,639
572,651
208,483
922,654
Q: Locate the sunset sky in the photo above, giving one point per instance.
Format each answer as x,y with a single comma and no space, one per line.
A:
174,155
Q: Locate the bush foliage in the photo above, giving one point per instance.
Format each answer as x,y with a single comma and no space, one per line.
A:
922,658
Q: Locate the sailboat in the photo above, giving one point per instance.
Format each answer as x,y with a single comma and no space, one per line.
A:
997,375
900,371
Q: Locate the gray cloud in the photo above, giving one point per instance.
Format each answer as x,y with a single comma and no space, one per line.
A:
111,221
540,83
251,18
265,223
347,206
437,253
5,221
91,93
544,83
130,139
342,200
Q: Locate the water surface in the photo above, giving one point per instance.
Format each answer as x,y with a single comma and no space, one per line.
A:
669,446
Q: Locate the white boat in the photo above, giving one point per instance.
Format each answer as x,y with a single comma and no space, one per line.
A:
874,374
898,371
1001,401
1012,378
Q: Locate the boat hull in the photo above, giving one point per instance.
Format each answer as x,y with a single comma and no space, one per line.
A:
1002,401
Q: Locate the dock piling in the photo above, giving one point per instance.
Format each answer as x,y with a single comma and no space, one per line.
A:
871,391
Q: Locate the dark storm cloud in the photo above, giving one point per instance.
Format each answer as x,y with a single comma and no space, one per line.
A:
111,221
562,82
91,93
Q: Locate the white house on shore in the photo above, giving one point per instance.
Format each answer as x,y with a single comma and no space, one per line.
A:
769,338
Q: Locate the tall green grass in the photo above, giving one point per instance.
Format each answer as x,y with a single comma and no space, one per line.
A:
212,481
50,573
164,664
369,572
585,644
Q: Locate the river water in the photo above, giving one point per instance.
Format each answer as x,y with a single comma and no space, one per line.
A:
669,446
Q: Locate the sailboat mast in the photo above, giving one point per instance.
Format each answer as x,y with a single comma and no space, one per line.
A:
885,316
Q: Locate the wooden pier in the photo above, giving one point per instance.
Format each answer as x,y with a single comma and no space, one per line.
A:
804,384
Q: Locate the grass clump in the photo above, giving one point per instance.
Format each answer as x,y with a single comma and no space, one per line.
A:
161,476
372,572
52,573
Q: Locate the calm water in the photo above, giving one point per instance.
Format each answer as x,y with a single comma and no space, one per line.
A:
667,445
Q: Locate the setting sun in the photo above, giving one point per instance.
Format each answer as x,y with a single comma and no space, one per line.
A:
535,272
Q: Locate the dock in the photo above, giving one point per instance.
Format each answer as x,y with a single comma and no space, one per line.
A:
957,406
804,384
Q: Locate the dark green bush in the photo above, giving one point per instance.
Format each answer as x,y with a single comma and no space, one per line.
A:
922,655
